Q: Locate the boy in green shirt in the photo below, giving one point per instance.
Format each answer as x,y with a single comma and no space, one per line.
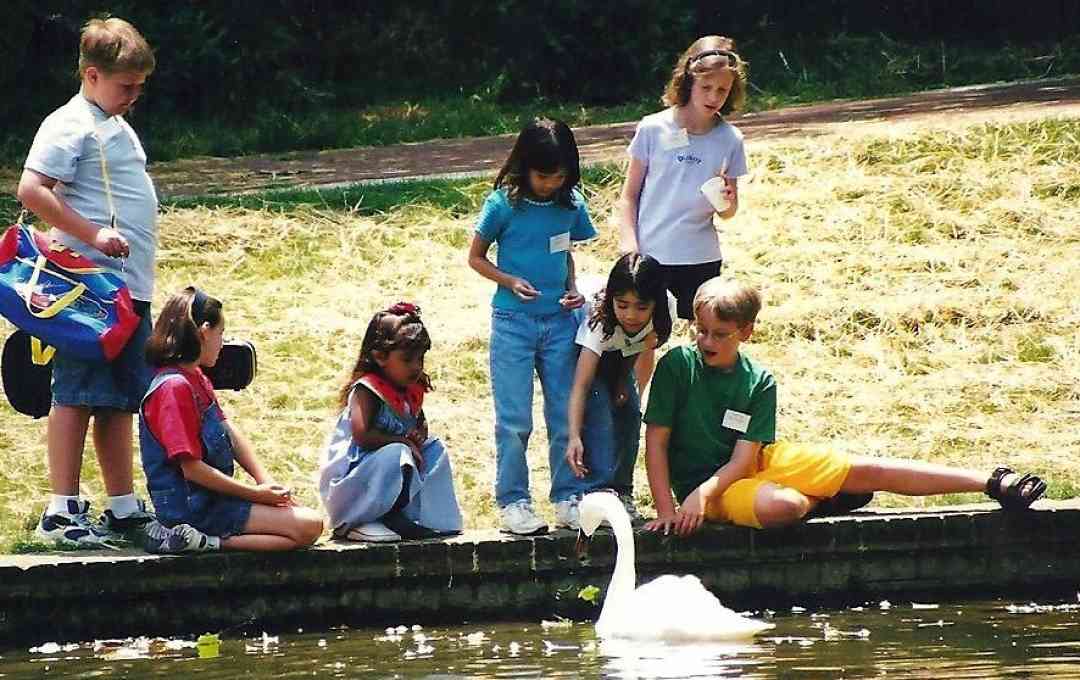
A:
710,437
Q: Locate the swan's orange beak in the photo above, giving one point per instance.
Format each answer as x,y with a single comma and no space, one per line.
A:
581,547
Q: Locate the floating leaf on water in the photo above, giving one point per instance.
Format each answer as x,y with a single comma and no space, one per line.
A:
590,594
797,609
884,604
208,646
917,605
561,623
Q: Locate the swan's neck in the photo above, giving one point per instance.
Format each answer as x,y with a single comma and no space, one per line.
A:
624,578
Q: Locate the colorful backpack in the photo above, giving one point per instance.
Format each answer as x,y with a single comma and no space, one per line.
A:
61,297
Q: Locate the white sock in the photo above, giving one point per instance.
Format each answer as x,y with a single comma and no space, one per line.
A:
125,505
213,542
59,504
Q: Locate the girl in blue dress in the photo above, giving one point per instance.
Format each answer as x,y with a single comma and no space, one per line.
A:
382,477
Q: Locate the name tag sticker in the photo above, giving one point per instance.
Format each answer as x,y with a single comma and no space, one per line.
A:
633,349
559,243
675,140
734,420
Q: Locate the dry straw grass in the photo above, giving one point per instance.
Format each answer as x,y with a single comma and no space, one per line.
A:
921,301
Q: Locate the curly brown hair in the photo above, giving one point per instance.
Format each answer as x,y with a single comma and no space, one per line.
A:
697,61
398,327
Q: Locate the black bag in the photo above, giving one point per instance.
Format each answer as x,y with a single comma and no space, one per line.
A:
235,368
26,366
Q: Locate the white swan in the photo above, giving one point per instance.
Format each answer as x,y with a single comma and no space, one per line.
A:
672,608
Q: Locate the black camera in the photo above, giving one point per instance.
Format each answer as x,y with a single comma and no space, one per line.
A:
236,366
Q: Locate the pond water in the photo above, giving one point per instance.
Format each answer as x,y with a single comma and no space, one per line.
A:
990,639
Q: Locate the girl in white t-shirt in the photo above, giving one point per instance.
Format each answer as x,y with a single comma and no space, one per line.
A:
662,211
631,314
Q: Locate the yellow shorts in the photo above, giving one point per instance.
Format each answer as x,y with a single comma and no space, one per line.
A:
813,470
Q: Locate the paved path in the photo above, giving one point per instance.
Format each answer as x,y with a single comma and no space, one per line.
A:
482,155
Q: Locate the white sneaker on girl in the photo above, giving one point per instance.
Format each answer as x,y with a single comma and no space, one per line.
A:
372,532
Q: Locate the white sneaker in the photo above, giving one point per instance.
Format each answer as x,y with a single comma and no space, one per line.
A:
72,529
519,518
566,514
372,532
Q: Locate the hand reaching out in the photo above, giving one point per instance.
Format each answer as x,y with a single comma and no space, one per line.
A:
575,456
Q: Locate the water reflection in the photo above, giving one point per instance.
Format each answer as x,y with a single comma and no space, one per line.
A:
907,640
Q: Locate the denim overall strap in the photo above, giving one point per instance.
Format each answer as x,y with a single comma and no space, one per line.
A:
175,499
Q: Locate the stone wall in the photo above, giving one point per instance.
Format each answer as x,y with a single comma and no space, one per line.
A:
944,554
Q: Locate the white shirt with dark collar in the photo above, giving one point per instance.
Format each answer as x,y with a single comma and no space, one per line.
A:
629,345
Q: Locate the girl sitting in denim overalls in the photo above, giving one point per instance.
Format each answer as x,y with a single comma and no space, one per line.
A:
189,449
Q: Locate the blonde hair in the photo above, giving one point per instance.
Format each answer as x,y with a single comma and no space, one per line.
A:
114,46
695,62
728,300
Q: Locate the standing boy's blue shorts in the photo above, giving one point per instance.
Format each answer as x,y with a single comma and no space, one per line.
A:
119,385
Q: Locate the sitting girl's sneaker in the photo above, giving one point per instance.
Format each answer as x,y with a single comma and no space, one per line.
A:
373,532
72,529
182,538
406,528
520,519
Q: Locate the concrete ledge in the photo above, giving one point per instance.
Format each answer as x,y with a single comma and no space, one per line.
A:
941,553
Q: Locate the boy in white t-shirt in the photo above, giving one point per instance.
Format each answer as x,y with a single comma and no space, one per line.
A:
108,213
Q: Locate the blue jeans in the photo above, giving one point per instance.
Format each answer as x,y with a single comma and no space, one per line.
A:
119,384
611,436
522,344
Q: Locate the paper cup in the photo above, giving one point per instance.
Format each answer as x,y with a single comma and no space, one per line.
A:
714,192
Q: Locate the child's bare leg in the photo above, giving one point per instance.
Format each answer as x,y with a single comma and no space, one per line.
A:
271,527
777,506
66,437
910,478
112,440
